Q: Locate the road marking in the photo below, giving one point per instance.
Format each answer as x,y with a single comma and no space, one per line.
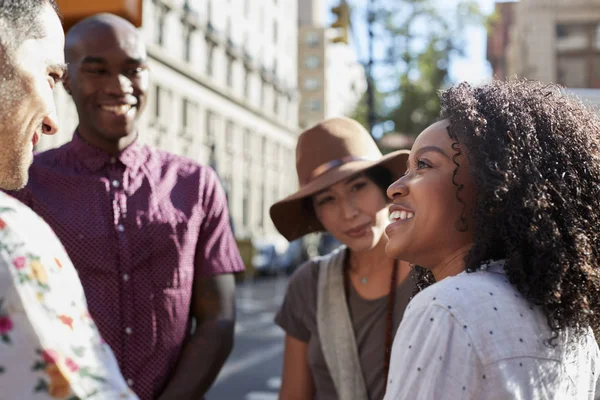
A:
274,383
261,396
254,358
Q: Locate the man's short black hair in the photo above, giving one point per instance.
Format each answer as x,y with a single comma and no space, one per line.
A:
19,21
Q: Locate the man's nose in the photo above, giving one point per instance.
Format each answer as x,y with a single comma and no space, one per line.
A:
50,124
120,86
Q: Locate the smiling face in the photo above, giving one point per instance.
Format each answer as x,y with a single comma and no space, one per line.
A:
108,79
354,211
426,214
29,74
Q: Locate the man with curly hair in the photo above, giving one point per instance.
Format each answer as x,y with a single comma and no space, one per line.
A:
505,192
49,346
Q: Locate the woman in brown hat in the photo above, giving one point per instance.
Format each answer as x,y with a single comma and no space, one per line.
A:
341,311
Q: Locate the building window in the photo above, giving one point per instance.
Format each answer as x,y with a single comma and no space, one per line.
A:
312,84
157,103
185,114
230,61
263,149
189,114
246,204
246,82
229,128
263,206
572,71
263,93
247,143
275,32
276,153
210,128
187,46
160,25
312,105
276,102
311,39
578,55
312,62
210,51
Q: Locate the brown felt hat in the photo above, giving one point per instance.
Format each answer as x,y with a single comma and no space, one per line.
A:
330,152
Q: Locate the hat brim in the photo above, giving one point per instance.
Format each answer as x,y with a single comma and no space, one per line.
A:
290,216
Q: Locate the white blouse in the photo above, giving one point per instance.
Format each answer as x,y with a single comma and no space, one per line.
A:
473,336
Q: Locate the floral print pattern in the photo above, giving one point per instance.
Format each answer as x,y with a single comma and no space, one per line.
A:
50,347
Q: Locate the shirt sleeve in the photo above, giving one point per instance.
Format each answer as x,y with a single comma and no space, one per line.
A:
49,344
216,252
291,315
23,195
432,358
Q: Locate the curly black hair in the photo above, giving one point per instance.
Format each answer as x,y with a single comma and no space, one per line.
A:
534,155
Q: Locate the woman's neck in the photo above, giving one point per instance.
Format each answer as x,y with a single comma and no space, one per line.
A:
453,264
369,260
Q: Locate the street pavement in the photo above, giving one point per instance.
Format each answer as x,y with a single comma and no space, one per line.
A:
253,370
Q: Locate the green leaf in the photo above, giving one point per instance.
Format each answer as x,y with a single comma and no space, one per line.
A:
41,386
85,373
6,339
79,351
38,366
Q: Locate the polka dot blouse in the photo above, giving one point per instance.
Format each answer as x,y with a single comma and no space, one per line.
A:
473,336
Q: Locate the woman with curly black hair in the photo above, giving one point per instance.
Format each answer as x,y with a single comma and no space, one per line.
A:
505,192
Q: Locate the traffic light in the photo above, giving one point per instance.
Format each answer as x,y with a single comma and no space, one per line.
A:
342,22
74,11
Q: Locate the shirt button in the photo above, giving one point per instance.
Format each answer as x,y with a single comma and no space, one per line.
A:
116,183
130,382
120,228
125,277
128,330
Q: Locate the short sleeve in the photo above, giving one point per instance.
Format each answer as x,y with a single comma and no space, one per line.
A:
291,317
216,252
50,346
432,358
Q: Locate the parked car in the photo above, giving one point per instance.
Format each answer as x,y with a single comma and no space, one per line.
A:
264,260
295,255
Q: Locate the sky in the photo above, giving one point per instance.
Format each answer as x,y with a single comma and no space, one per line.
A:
473,67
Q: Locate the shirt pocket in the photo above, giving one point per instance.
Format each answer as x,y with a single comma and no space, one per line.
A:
88,238
161,239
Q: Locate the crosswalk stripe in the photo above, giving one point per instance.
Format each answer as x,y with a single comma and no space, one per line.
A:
274,383
261,396
256,357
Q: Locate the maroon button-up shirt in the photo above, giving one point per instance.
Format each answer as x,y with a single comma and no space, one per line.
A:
139,228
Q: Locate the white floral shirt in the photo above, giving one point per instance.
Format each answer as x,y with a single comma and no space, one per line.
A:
49,346
473,336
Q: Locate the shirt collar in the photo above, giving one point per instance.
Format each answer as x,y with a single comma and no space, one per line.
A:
95,159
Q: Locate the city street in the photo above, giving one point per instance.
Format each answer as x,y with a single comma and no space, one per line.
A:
253,371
